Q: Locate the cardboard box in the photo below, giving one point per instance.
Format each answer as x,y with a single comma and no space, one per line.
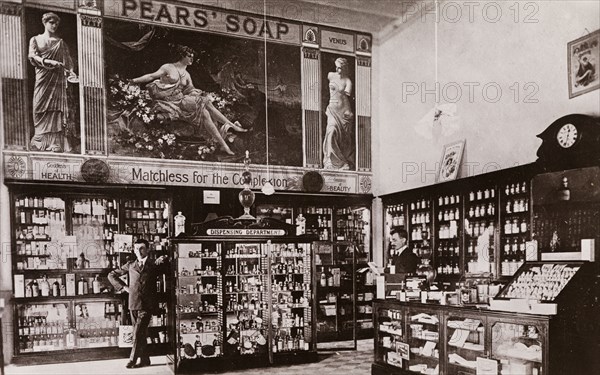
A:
19,286
70,283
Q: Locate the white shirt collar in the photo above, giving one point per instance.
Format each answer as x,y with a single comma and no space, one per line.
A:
142,261
400,250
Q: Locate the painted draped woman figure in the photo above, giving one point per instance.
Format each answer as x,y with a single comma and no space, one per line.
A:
175,98
338,147
50,56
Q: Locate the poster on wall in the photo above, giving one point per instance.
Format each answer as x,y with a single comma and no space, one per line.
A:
584,56
338,100
53,90
179,94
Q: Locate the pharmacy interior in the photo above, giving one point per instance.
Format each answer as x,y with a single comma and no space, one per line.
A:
237,140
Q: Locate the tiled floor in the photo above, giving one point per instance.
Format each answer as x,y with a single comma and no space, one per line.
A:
330,363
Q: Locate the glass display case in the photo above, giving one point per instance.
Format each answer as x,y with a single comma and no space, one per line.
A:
391,346
318,221
64,247
465,342
518,346
344,291
434,339
423,338
242,300
246,310
199,298
291,307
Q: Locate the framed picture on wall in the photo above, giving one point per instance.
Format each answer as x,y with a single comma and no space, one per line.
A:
451,159
583,56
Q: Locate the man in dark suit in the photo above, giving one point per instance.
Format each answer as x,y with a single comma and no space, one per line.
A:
402,257
142,296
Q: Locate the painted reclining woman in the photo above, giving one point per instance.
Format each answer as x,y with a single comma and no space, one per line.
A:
176,98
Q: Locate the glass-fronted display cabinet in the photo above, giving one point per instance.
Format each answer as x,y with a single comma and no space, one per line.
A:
423,338
518,345
448,237
481,216
465,342
434,339
515,222
391,346
243,299
199,297
65,244
344,293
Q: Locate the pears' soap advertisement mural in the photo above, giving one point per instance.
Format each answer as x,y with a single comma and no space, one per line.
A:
181,94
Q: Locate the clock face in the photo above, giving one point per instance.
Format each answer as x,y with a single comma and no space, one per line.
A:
567,135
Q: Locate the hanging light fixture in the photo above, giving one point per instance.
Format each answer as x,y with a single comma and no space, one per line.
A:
267,188
246,196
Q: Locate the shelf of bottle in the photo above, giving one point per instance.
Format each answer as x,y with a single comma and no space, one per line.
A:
146,233
447,221
100,296
421,210
519,194
194,315
196,276
286,274
62,271
199,258
243,256
326,287
513,213
247,292
255,310
486,217
516,234
32,224
457,238
38,208
483,199
144,219
288,256
447,276
291,305
287,291
180,295
244,275
35,239
64,350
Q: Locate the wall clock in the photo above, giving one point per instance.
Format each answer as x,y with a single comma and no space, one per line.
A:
567,135
571,141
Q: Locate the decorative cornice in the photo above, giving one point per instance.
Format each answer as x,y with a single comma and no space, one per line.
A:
11,9
91,21
361,61
310,53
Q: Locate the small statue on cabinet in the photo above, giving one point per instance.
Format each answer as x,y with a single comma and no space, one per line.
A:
179,223
82,262
300,225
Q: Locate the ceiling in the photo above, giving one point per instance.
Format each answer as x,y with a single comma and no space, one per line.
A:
377,17
373,16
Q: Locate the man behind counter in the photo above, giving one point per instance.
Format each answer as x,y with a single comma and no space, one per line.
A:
402,257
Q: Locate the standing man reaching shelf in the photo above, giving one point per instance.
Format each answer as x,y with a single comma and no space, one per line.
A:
142,296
